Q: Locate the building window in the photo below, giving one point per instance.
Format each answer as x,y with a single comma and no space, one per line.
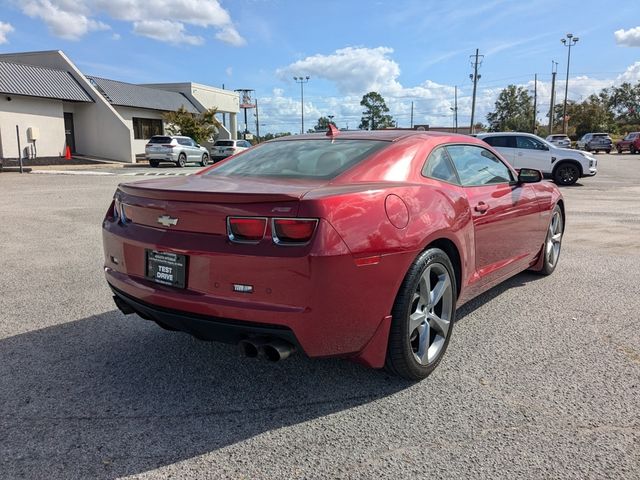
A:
145,128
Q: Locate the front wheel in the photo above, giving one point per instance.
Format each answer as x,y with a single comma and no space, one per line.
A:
608,151
205,160
182,160
619,150
632,149
566,174
423,316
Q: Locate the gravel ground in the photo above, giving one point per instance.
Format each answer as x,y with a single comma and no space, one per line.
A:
541,379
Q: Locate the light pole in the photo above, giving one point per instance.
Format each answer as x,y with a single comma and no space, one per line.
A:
302,81
570,41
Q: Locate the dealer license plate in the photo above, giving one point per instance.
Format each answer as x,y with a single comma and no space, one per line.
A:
167,268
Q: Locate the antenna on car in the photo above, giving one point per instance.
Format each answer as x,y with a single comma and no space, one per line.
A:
332,131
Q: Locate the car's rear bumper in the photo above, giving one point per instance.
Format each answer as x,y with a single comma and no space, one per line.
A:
203,327
162,157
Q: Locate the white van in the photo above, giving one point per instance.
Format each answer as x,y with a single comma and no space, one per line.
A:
524,150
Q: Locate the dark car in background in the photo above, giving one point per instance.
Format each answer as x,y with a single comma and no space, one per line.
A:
630,143
595,142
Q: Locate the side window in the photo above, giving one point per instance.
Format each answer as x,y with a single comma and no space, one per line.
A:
529,143
183,141
477,166
506,141
439,166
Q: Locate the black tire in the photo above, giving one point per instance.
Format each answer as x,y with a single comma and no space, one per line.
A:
154,163
205,160
632,149
608,151
566,174
619,151
182,160
401,350
550,264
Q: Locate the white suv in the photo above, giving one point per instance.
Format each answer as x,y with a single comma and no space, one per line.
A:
225,148
524,150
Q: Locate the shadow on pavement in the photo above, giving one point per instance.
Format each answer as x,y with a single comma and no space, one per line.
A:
109,396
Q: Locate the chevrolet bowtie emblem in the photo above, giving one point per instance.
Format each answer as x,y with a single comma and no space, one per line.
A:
167,221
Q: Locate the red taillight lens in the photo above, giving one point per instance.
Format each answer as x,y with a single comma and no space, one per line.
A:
246,229
293,230
168,145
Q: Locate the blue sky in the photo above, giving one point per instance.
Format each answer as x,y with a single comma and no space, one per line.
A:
408,50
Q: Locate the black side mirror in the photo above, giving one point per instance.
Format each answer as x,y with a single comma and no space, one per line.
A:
529,175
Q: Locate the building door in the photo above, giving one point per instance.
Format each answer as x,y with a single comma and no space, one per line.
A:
69,132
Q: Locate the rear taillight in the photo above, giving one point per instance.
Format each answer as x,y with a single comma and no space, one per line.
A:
168,145
293,231
246,229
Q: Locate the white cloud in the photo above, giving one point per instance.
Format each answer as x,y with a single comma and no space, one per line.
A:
229,71
165,31
629,38
65,19
351,69
5,29
631,74
72,19
231,36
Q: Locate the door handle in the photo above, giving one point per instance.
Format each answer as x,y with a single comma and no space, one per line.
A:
482,207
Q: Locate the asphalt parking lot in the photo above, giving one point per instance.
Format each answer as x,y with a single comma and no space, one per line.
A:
541,379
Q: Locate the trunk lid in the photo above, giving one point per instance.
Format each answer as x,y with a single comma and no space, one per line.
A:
202,203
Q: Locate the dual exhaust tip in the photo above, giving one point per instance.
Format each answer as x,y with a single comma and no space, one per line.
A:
273,350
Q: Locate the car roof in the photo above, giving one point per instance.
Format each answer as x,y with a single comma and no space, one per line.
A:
508,134
389,135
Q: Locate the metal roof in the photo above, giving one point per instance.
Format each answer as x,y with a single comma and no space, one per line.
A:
131,95
32,81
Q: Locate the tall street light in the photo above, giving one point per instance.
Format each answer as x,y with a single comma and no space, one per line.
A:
302,81
569,41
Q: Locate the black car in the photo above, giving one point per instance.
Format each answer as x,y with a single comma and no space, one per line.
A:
595,142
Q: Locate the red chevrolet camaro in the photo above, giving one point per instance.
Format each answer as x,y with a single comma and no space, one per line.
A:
352,244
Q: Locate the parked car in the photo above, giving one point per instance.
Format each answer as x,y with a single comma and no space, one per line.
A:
524,150
175,149
630,143
354,244
595,142
225,148
559,140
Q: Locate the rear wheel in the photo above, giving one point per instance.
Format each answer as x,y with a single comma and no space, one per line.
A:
154,163
608,151
182,160
553,242
619,150
423,317
566,174
205,160
632,149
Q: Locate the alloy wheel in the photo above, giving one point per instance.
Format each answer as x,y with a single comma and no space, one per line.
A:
554,239
567,174
430,314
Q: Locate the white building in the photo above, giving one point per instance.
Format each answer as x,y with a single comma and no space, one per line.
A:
53,105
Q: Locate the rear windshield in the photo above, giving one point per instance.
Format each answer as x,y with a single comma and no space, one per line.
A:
223,143
600,135
559,137
160,140
321,159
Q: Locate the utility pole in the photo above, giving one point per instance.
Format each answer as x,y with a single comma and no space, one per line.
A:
570,41
475,62
535,101
411,114
302,81
224,115
554,71
455,109
257,122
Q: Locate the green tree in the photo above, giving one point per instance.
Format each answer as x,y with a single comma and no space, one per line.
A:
323,124
513,111
199,126
271,136
375,116
624,101
591,115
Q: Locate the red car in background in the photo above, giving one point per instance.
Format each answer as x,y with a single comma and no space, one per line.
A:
351,244
630,143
